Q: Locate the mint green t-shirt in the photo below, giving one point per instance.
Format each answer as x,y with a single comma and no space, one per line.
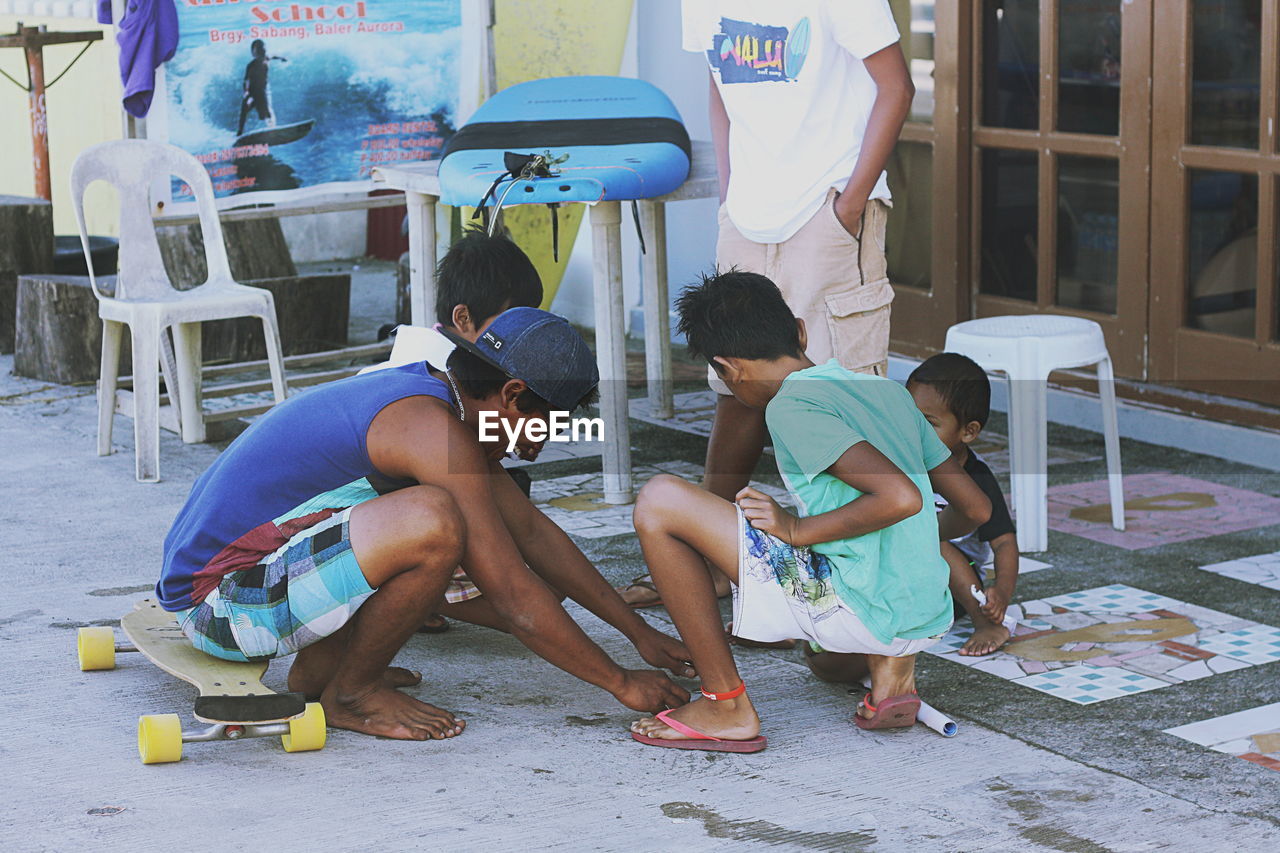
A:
894,579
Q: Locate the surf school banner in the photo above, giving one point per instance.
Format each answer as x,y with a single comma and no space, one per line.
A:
279,98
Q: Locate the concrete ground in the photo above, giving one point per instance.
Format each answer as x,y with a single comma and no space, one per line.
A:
546,762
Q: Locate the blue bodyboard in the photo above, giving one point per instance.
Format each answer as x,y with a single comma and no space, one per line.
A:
623,137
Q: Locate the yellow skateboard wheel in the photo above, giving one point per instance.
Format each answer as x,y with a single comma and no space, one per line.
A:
306,732
96,648
160,738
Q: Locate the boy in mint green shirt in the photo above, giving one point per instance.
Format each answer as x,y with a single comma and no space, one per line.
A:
857,572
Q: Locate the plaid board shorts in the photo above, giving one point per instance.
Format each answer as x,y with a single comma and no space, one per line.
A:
301,593
460,588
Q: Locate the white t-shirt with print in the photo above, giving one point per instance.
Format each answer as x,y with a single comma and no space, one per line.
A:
798,97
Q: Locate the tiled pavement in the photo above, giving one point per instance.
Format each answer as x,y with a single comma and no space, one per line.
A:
1086,643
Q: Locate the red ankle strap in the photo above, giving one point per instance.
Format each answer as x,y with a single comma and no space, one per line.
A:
732,694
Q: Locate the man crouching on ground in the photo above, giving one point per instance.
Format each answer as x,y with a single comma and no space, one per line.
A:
331,527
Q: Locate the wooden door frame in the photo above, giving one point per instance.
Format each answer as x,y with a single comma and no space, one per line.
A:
1126,329
1190,357
921,317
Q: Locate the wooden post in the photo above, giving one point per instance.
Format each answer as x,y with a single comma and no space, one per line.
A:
39,117
32,40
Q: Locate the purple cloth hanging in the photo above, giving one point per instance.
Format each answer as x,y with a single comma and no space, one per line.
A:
147,36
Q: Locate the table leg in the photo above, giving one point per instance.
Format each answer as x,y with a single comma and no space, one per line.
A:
606,218
657,317
422,257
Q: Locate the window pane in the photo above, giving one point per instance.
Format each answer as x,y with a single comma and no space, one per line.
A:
1009,221
1088,229
909,237
1222,252
1011,63
1089,66
1225,79
919,49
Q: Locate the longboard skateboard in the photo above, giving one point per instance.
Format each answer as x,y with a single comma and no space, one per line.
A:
233,700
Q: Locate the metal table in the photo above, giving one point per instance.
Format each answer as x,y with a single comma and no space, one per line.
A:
421,187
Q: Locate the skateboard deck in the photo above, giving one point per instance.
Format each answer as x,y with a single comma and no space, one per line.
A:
230,692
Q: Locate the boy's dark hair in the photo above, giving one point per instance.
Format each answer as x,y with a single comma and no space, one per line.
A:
478,378
960,382
737,315
486,274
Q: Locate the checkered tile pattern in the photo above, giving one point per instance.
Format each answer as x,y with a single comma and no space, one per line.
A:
1254,645
1116,598
1093,662
1086,684
576,502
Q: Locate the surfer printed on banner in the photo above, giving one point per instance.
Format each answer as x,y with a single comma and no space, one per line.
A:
745,52
278,98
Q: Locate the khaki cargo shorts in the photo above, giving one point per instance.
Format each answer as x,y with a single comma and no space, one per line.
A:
837,283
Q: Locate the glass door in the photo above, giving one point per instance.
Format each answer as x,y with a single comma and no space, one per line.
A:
1060,208
1215,222
929,177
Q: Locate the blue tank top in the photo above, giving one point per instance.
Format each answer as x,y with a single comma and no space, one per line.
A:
308,445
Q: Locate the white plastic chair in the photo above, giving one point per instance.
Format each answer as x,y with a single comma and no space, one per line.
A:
1026,348
148,303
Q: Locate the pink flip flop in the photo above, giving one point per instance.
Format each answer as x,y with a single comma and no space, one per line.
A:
895,712
698,740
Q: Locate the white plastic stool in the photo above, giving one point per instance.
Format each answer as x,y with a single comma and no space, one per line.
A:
1027,348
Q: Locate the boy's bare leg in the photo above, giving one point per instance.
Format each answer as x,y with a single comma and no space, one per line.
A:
737,440
987,636
836,667
889,677
407,544
476,611
681,529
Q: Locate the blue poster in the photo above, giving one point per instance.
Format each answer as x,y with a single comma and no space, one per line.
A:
280,95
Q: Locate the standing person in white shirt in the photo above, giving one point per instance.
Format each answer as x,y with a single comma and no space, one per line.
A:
807,101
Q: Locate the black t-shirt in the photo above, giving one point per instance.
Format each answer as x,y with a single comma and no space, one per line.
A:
1000,523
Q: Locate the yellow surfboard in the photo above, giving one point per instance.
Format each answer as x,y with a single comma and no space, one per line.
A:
554,38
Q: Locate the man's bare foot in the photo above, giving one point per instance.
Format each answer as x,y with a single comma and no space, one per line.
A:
987,638
312,686
398,676
434,624
388,713
642,593
729,719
